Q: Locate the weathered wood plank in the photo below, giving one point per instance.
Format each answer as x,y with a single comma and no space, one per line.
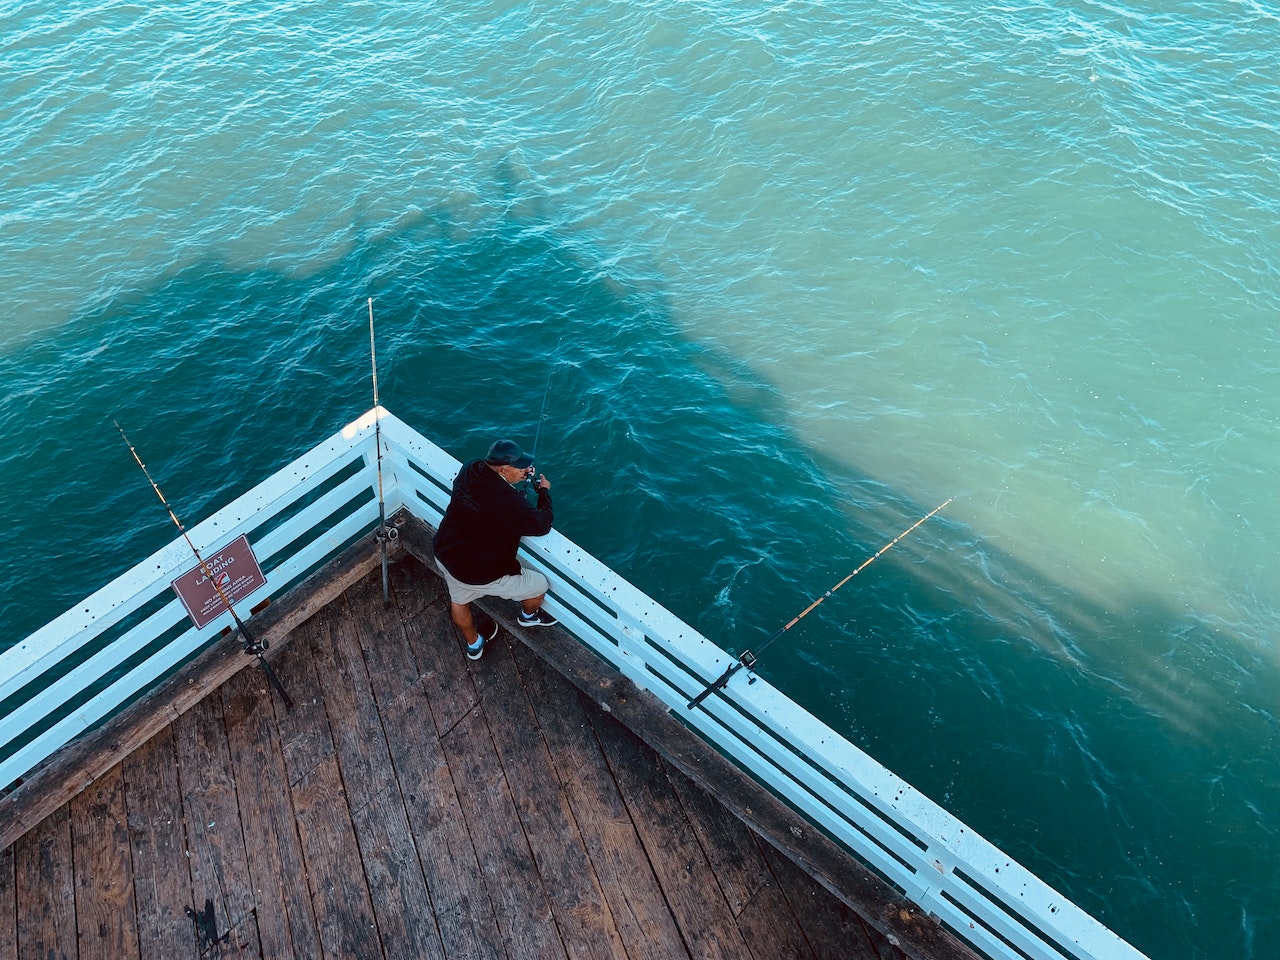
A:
354,723
636,902
375,655
157,841
339,893
106,917
586,925
222,891
406,919
305,739
834,931
282,902
381,629
464,915
443,662
763,914
688,882
515,889
882,906
414,587
8,906
45,886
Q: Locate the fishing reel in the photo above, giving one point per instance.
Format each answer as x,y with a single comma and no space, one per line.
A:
528,487
254,648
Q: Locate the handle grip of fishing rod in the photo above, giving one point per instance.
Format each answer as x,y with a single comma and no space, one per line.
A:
256,647
746,660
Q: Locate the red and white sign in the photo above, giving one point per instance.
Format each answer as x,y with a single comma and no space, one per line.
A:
236,572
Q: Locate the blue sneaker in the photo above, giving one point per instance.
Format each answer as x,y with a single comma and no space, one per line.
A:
476,650
539,618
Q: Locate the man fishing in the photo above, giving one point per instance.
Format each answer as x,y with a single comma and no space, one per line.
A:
478,538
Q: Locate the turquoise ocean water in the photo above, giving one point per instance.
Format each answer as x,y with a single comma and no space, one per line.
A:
797,272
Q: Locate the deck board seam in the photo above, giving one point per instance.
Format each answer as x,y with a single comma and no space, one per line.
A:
418,690
579,833
524,830
572,823
636,932
762,846
690,816
8,900
442,735
273,743
128,852
232,921
306,637
341,812
396,781
348,793
506,937
240,804
590,710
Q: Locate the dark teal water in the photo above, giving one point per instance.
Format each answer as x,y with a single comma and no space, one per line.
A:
797,273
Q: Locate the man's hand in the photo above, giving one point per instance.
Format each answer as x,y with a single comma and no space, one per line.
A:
543,483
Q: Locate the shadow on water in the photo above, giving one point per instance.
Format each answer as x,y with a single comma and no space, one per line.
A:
994,692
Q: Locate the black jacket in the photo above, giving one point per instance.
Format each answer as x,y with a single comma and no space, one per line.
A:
482,526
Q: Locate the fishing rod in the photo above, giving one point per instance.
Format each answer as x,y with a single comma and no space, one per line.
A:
377,440
542,415
747,658
253,647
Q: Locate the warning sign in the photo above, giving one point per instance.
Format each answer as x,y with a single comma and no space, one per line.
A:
235,572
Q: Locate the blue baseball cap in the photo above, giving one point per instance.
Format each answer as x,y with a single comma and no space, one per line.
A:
506,453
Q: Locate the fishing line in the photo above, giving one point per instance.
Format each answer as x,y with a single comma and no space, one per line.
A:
546,392
530,484
748,658
377,440
252,646
542,414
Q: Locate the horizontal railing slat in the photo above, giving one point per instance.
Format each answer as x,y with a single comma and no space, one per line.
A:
100,664
88,619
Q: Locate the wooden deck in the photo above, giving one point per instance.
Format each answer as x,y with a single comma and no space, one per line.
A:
412,804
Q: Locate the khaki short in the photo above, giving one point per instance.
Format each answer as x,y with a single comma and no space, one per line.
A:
529,584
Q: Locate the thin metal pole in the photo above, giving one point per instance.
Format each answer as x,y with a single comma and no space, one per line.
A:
251,646
748,658
377,440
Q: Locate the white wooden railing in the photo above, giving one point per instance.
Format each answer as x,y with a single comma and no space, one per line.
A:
96,657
